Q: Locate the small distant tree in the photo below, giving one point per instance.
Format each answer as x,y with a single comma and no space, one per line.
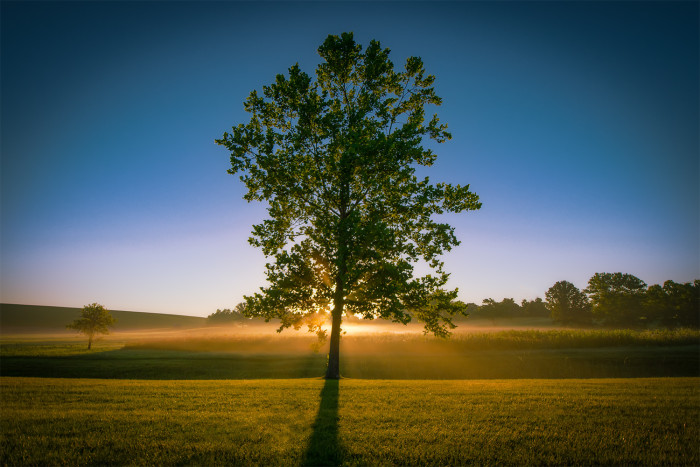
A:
567,304
94,319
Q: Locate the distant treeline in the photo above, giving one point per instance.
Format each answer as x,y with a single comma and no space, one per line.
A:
611,300
614,300
227,315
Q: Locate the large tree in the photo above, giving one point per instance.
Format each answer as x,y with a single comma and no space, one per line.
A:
335,157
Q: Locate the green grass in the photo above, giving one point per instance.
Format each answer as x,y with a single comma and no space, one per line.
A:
501,355
353,422
55,348
214,399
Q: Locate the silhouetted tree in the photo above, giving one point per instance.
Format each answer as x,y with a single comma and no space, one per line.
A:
467,310
617,299
535,308
94,319
488,310
335,158
508,308
674,304
567,304
493,310
227,315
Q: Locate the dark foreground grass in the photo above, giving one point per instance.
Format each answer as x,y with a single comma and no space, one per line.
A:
153,365
351,422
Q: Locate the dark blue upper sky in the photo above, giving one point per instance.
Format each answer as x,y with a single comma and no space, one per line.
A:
576,123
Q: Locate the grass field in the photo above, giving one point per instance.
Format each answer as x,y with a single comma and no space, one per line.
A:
353,422
249,396
496,355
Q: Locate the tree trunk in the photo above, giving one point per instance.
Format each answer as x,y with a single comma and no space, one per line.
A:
89,342
333,371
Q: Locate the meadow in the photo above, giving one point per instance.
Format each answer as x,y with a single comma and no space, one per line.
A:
246,395
259,352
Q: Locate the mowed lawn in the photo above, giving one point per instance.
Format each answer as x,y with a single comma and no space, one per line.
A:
636,421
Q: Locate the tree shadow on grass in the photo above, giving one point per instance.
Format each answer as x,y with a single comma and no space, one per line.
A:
149,364
324,445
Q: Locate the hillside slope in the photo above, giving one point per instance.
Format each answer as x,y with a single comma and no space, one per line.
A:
32,318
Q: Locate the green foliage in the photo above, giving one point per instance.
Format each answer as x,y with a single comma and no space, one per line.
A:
674,304
359,422
567,304
335,158
507,309
617,299
94,319
534,308
492,310
227,315
620,300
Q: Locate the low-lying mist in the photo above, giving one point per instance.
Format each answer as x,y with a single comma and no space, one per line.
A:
369,339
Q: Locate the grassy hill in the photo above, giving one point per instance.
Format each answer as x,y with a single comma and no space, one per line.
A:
32,318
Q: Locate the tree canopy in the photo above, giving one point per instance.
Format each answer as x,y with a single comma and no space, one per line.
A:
616,298
335,158
94,319
673,304
567,304
226,315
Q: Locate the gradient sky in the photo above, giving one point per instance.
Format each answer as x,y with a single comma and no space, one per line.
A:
576,123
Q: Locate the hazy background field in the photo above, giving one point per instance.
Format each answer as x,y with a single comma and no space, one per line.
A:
161,346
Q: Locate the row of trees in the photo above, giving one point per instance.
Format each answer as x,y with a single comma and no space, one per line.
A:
227,315
508,308
611,299
623,300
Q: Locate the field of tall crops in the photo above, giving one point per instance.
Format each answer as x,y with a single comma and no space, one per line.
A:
384,342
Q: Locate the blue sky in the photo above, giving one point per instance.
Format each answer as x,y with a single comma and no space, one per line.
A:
576,123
